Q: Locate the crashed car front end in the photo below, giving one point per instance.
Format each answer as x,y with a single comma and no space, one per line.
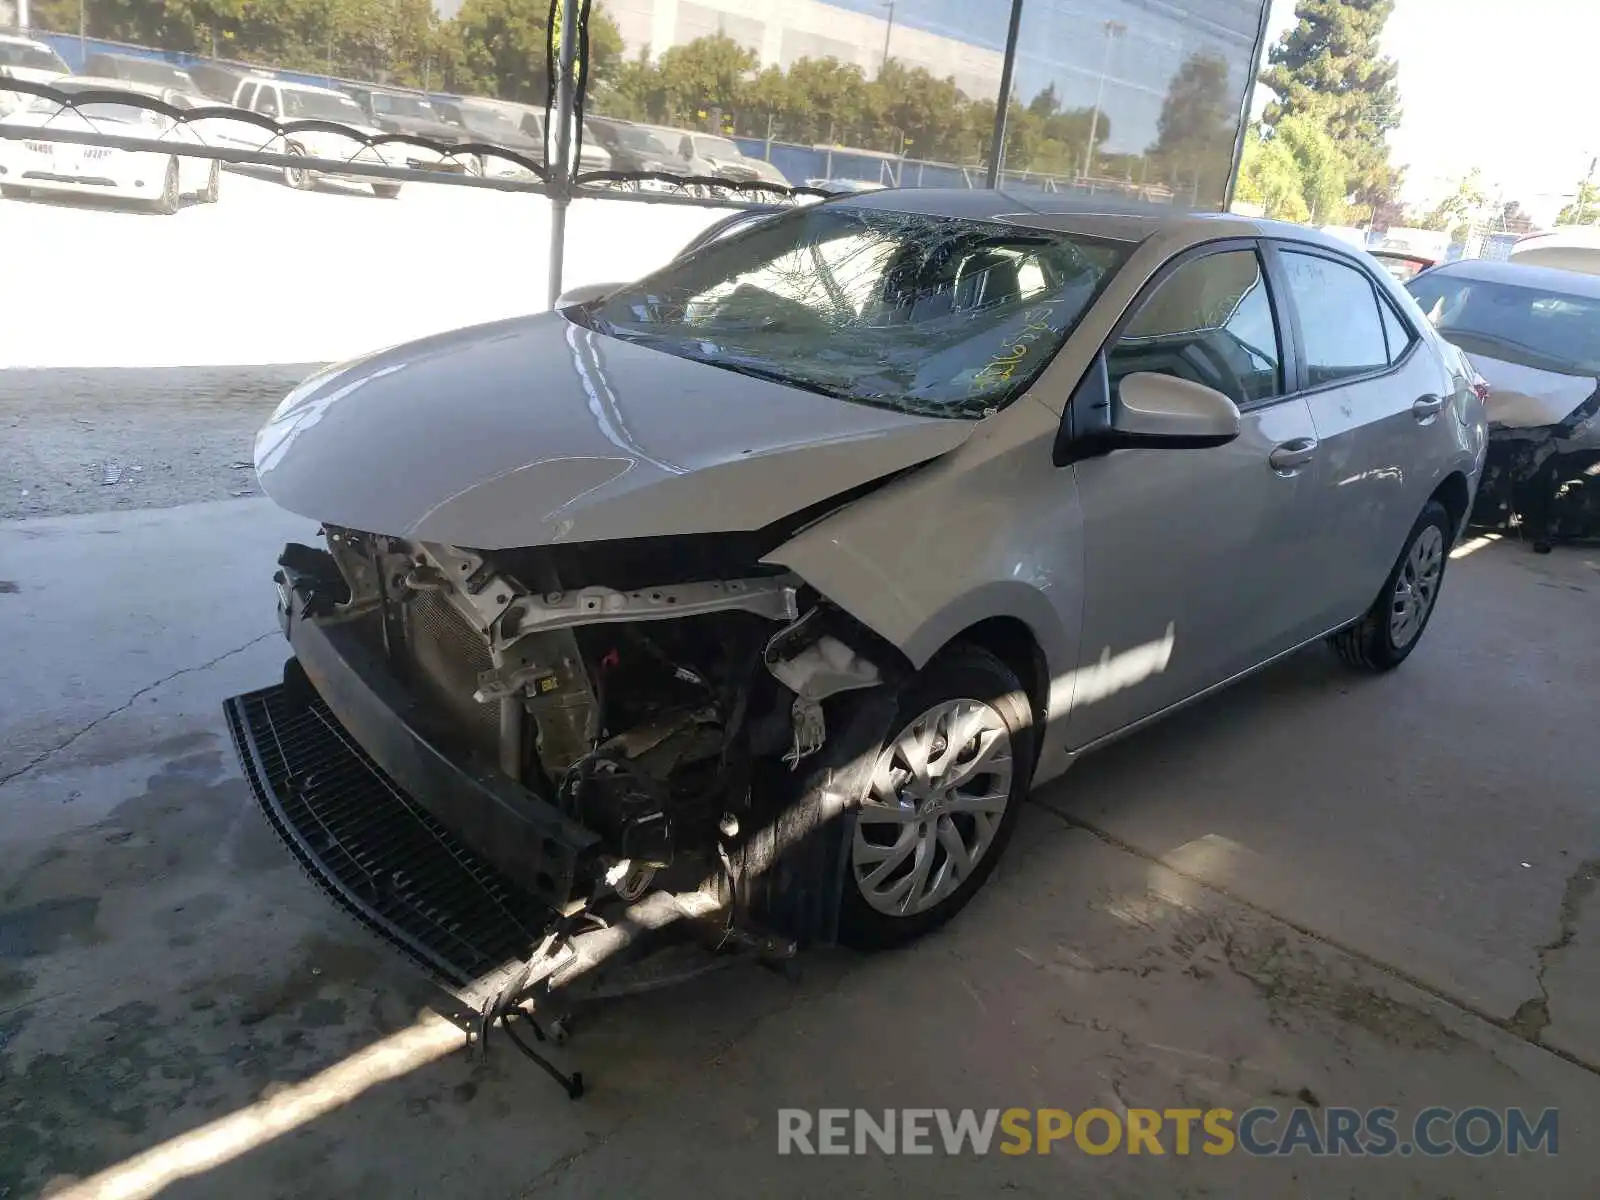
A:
1542,468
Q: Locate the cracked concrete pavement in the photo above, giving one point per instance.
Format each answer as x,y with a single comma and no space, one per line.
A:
1310,891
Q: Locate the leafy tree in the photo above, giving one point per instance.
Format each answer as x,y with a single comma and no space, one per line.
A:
1329,69
704,75
1195,131
1270,176
1585,206
1323,170
1456,211
502,48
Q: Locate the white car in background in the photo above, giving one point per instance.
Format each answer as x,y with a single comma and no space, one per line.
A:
286,103
23,58
43,165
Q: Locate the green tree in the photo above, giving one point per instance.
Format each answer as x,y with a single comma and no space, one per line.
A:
1270,176
502,48
706,74
1323,169
1195,131
1328,68
1585,206
1456,211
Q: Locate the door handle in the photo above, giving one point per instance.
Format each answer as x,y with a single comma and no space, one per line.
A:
1427,407
1291,456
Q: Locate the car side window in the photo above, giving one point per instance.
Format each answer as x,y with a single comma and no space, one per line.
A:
247,97
267,102
1209,322
1396,332
686,148
1339,318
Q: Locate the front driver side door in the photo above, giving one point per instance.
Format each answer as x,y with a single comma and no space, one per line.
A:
1195,559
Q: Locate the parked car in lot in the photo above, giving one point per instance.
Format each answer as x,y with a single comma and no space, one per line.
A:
286,102
593,156
219,83
152,72
1534,335
761,590
411,113
483,121
23,58
709,154
1567,247
635,148
42,165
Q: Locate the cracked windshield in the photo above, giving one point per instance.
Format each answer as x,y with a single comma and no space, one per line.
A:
926,314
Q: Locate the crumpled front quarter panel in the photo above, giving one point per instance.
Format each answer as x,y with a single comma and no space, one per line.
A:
991,530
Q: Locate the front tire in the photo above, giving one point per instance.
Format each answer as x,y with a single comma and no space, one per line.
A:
297,177
1385,637
171,197
386,191
946,792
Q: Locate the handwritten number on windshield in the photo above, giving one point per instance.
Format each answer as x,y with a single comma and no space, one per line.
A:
1000,368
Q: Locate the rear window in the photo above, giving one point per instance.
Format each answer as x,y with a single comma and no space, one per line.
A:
1532,327
925,314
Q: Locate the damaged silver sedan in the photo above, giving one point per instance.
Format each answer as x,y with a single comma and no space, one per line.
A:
753,597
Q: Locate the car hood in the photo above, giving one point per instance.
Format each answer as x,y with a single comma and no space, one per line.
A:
31,75
1523,397
537,430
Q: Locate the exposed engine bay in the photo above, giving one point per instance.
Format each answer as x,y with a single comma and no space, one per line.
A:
626,734
637,712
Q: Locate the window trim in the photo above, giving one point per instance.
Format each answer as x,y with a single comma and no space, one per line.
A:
1274,247
1415,337
1288,351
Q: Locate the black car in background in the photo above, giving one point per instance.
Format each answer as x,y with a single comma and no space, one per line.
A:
412,114
1533,334
635,148
138,69
486,123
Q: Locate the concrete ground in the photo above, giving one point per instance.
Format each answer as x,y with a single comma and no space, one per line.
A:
1317,890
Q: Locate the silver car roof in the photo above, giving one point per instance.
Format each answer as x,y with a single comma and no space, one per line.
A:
1548,279
1099,218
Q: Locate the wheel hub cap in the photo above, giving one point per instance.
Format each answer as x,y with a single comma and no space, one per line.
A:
1417,587
939,791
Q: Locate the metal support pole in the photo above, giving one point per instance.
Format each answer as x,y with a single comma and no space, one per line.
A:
557,166
1257,61
997,144
22,15
1113,30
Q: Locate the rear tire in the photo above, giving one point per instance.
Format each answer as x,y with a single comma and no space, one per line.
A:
171,198
208,194
924,844
1390,630
386,191
299,178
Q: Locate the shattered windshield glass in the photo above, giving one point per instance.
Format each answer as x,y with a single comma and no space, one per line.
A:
926,314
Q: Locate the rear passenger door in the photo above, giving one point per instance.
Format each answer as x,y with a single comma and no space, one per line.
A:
1196,560
1377,399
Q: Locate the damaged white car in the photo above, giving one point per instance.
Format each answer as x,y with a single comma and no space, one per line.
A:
755,595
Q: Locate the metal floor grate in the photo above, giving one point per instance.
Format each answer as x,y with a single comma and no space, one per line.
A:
385,860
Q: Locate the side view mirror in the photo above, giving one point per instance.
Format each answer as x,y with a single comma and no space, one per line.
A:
1150,411
586,293
1163,410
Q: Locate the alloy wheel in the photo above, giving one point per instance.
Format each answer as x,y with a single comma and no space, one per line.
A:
938,794
1417,587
